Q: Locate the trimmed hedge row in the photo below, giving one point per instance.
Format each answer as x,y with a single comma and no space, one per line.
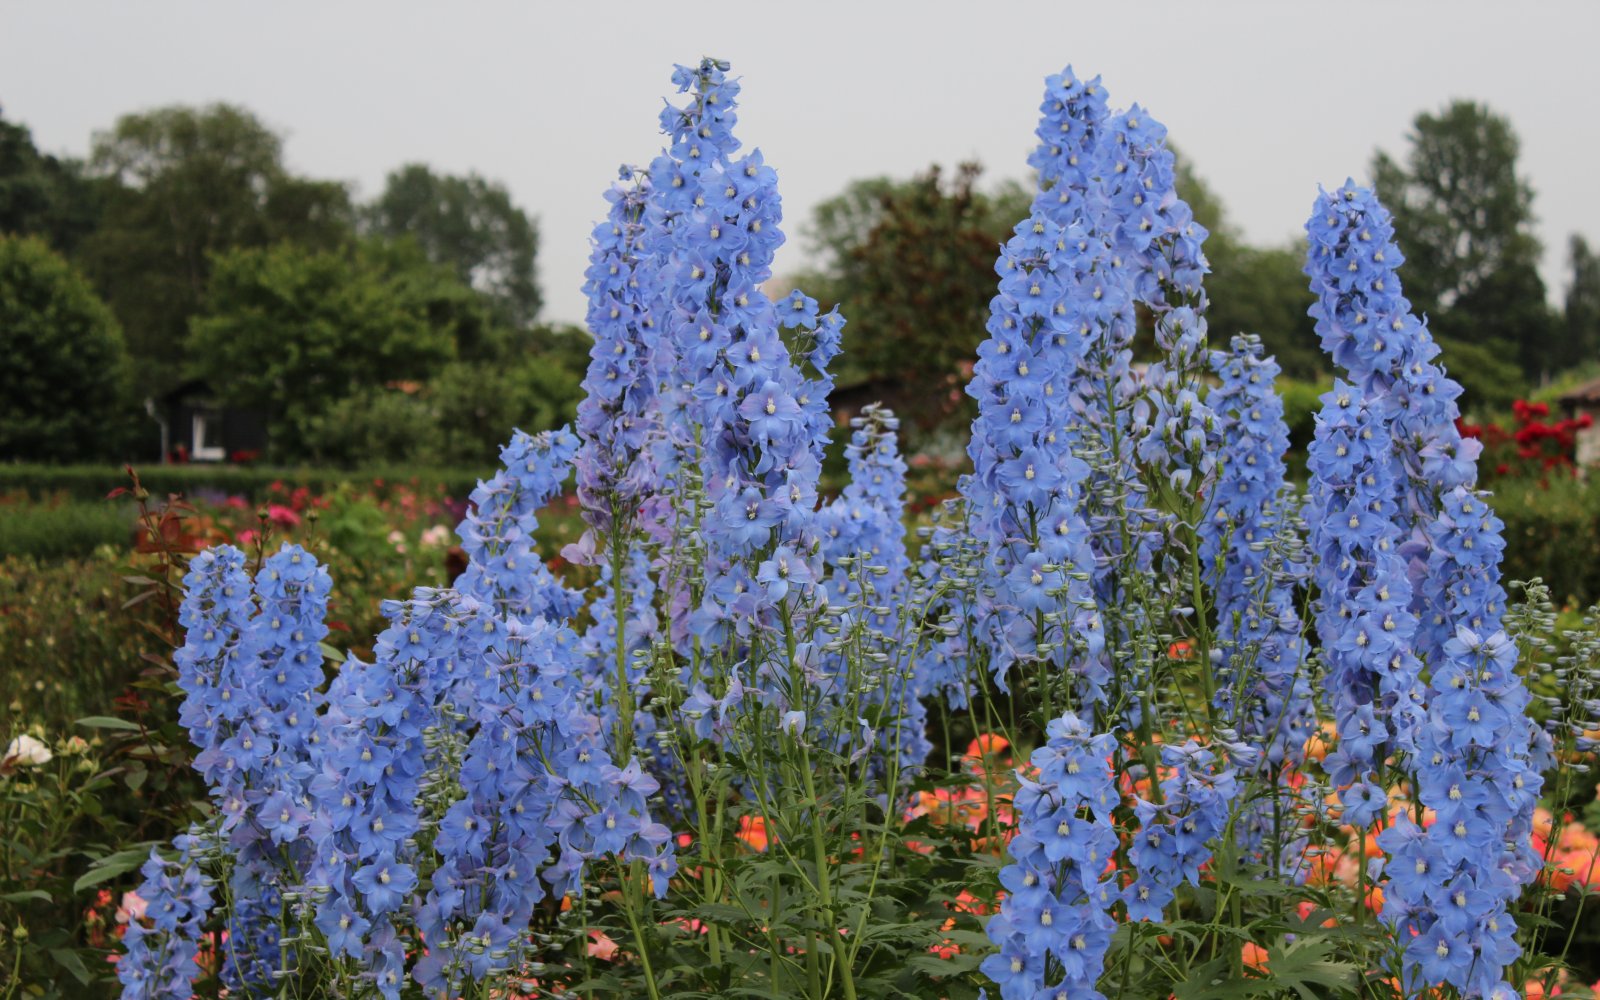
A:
93,482
64,531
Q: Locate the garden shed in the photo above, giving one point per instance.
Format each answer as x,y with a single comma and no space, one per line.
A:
195,429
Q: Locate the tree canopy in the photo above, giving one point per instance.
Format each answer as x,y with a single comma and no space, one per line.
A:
1464,218
912,263
62,387
471,225
184,184
291,331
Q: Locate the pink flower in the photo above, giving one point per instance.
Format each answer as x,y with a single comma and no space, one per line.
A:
600,946
283,517
131,908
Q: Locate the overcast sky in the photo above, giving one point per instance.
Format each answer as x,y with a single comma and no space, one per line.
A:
1269,99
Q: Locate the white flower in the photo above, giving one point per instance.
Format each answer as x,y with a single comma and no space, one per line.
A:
436,536
25,751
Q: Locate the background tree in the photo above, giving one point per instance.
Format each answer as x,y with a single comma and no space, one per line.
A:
184,184
62,386
912,265
43,195
471,225
1580,341
292,331
1464,218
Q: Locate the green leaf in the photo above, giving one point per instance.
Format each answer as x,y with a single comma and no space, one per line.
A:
1305,964
106,722
109,867
70,960
25,895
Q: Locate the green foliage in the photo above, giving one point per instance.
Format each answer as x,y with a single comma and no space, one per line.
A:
375,424
1262,290
62,387
258,484
1301,403
477,402
292,332
41,195
1464,218
1488,375
53,936
182,184
911,265
460,415
1553,533
1580,343
62,530
470,225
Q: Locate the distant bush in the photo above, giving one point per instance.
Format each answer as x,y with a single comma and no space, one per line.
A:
1553,532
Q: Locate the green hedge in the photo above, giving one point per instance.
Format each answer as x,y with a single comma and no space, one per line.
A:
64,531
93,482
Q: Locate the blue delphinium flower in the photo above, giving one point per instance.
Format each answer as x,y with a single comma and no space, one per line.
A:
619,415
1176,828
1054,927
1448,887
498,532
250,668
160,959
862,535
215,671
1454,883
1363,616
1025,493
1367,326
1253,581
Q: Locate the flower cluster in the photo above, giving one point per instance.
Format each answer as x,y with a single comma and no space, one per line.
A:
1452,884
1363,616
162,948
1536,445
1177,827
1243,550
868,575
497,534
756,665
1026,492
618,415
1053,927
1466,734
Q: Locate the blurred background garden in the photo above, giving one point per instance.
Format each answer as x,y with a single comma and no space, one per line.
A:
203,343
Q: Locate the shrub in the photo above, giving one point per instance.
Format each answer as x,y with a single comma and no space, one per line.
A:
1553,533
62,392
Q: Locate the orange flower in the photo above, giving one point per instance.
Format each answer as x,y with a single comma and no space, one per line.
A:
1255,956
753,831
987,744
1321,742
